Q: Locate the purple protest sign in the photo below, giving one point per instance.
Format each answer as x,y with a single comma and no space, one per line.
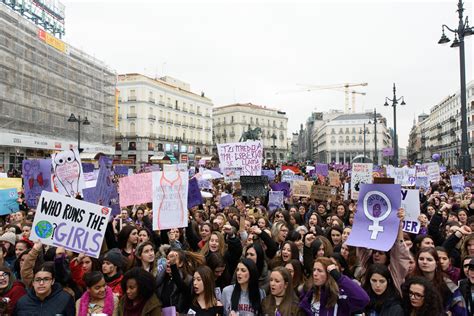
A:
387,152
226,200
205,184
322,169
270,174
121,170
275,200
281,186
194,194
376,223
37,178
87,167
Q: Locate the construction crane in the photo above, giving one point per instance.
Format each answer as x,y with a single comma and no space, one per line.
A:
343,87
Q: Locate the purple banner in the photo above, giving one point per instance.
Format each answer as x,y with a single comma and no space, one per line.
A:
36,177
194,194
322,169
121,170
226,200
387,152
281,186
376,223
270,174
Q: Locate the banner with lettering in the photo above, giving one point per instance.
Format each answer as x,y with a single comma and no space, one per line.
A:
457,183
301,188
411,203
422,182
135,189
194,194
170,199
67,222
67,177
37,177
281,186
244,155
432,171
8,201
404,176
323,193
361,173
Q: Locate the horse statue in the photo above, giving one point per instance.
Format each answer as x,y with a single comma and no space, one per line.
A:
251,134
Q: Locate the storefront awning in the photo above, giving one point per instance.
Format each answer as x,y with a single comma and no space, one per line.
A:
158,157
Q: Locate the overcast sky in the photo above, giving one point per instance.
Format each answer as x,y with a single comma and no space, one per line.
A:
251,51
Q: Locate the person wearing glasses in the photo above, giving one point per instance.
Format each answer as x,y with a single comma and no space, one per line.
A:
420,298
10,291
46,297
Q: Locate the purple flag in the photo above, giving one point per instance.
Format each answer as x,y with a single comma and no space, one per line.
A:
281,186
322,169
226,200
121,170
194,194
376,222
36,177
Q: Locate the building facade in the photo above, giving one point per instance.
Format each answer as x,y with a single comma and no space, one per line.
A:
43,80
161,117
231,121
415,148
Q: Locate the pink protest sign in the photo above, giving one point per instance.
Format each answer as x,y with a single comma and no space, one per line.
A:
135,189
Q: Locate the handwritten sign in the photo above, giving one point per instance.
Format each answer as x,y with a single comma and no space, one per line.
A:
281,186
457,183
245,155
432,171
135,189
232,174
302,188
253,185
361,173
323,193
170,199
225,200
334,179
37,177
411,203
76,225
8,203
270,174
9,183
404,176
67,177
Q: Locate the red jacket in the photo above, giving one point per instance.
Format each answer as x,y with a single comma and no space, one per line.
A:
115,286
77,273
15,293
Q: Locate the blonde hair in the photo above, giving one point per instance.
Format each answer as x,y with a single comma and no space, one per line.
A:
220,237
330,285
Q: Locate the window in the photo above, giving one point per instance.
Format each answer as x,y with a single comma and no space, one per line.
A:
333,131
118,146
256,121
132,146
232,119
132,95
132,109
132,128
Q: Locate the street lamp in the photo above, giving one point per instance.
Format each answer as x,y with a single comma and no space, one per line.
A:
395,137
376,157
462,31
365,131
274,137
178,140
73,119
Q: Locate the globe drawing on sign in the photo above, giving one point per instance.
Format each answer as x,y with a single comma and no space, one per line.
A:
44,229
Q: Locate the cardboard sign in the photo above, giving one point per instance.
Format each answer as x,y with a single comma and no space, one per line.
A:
8,203
76,225
135,189
244,155
323,193
334,179
411,203
361,173
302,188
194,194
376,222
9,183
275,200
384,181
457,183
67,177
253,185
232,174
170,199
37,176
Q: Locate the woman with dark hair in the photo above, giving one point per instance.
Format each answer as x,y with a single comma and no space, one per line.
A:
98,299
295,268
46,297
221,276
144,235
81,265
288,251
255,253
334,234
127,241
204,301
244,295
282,299
420,298
331,292
384,297
445,262
7,248
146,257
9,289
139,296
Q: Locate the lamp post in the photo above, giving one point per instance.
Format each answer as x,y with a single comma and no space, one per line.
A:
461,32
274,137
78,120
178,140
395,137
365,131
376,158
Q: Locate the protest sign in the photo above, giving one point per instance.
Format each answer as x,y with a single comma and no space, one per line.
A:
432,171
170,199
9,183
411,203
421,170
376,223
289,176
323,193
87,167
204,184
232,174
302,188
37,177
457,183
135,189
67,177
361,173
346,191
322,169
404,176
275,200
3,175
309,169
194,194
225,200
8,203
281,186
67,222
121,170
253,185
270,174
442,168
384,180
334,179
244,155
387,152
422,182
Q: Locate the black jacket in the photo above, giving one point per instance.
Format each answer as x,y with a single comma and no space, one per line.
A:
174,290
392,307
466,288
58,302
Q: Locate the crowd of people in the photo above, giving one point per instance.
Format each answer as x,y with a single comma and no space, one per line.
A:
244,259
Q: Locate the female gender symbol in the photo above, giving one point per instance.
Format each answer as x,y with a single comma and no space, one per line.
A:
375,200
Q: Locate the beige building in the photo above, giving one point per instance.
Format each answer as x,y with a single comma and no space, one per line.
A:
231,121
161,117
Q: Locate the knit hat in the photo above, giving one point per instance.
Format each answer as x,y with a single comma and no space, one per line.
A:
115,257
9,237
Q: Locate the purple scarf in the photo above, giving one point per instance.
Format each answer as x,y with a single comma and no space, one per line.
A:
108,303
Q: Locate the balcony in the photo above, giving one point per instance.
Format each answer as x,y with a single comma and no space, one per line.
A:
177,123
153,135
152,117
132,99
208,115
161,103
452,119
208,129
151,100
192,126
169,121
439,126
199,113
132,115
131,134
184,124
161,119
161,137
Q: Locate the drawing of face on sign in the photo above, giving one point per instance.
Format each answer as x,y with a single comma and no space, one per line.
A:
67,172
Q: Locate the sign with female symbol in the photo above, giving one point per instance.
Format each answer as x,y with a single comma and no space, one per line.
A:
376,223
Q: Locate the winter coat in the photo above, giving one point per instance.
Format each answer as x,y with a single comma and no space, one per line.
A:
115,286
174,290
269,307
58,302
391,307
467,289
14,294
152,307
352,298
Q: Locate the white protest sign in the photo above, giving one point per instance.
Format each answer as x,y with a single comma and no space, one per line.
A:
432,171
361,173
170,199
67,177
346,191
245,155
411,203
404,176
457,183
76,225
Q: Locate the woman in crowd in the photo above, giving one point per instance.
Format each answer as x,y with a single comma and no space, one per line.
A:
282,299
466,286
112,265
244,295
144,235
204,302
331,292
420,298
46,297
127,241
288,251
445,262
146,258
384,297
255,253
9,289
295,268
7,244
81,265
98,299
221,276
205,230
